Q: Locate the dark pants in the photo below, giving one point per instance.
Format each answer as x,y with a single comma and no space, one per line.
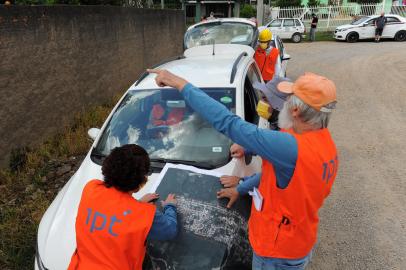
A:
312,35
378,31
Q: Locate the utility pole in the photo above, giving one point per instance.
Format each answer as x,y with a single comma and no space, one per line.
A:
260,12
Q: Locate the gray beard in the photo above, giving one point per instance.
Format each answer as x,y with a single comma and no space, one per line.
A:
285,120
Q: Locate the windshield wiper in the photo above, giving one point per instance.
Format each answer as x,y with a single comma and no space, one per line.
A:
97,153
199,164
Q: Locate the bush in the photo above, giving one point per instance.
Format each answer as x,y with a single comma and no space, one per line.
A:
313,3
248,11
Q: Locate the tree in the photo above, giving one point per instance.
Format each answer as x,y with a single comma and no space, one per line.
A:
248,11
289,3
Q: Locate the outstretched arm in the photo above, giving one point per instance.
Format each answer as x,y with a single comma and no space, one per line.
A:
279,148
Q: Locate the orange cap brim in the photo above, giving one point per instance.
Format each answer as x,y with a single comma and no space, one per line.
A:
285,87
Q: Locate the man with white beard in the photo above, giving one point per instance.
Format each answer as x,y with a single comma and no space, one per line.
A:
299,166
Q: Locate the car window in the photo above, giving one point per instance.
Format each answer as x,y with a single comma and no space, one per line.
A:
161,122
360,21
371,22
276,23
297,22
250,103
392,20
288,23
254,76
281,47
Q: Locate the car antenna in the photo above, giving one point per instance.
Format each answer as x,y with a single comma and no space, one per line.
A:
214,43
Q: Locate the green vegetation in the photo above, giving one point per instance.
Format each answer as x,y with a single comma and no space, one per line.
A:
26,190
313,3
248,11
288,3
324,36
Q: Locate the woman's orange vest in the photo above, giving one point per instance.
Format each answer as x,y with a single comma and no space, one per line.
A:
266,63
111,229
286,227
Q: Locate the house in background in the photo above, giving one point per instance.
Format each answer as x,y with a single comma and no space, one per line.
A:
196,9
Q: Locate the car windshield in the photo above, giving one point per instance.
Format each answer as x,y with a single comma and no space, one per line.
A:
169,130
220,33
359,21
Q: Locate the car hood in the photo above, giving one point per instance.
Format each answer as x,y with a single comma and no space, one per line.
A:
56,232
346,26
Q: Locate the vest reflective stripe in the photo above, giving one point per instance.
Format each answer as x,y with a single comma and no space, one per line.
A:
266,63
287,225
111,229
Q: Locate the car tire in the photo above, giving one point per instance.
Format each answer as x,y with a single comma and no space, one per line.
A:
400,36
296,38
352,37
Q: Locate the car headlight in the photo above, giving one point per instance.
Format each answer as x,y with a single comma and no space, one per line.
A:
40,264
342,30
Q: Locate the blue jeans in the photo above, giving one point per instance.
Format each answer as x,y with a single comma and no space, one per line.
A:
268,263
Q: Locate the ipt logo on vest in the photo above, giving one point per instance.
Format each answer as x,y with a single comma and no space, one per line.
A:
329,169
100,217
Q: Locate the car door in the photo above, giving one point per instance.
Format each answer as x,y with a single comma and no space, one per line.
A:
250,164
391,27
281,65
288,28
275,26
367,30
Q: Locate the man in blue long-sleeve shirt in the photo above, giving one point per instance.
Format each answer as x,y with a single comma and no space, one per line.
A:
299,166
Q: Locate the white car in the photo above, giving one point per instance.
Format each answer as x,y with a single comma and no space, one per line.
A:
227,76
287,28
364,28
233,31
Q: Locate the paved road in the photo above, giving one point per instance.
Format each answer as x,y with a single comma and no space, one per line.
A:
363,222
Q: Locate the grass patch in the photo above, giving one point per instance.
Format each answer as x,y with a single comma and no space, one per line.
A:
321,36
24,195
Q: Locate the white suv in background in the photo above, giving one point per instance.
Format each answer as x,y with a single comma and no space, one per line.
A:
287,28
364,28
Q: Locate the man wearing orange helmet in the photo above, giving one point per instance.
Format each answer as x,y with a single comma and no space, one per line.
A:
266,55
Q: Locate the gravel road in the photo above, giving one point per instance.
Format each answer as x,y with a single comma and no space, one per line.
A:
363,222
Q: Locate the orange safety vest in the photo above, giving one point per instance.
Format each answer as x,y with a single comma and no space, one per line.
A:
286,226
266,63
111,229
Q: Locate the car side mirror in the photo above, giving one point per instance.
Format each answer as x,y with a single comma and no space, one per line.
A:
364,24
286,57
93,133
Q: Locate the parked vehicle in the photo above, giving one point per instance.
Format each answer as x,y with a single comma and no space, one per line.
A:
364,28
288,28
226,76
233,31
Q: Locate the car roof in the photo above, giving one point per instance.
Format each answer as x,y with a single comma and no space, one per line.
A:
237,20
388,15
203,69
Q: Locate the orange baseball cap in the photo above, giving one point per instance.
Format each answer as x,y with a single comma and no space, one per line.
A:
316,91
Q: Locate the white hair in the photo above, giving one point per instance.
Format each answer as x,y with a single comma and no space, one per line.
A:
316,119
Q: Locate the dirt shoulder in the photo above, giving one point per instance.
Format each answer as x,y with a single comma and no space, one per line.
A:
363,222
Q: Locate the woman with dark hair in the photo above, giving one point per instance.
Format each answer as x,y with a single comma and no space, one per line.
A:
111,226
